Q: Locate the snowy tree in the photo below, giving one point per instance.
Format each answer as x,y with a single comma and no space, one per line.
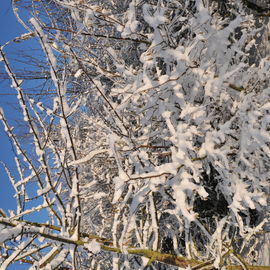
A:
159,156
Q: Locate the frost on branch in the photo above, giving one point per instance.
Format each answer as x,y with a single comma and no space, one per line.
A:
156,144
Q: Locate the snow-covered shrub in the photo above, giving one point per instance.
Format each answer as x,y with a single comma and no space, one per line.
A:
165,144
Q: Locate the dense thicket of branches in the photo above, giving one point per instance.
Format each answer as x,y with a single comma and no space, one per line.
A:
154,150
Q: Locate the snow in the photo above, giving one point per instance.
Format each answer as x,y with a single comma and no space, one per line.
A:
1,113
9,233
93,247
154,19
44,190
88,157
78,73
131,24
14,255
48,255
174,115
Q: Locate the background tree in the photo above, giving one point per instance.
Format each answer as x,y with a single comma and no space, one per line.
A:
154,150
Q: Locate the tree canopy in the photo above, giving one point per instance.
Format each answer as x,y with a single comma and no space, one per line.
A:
153,149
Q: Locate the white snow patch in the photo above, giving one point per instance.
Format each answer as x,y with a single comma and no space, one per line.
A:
93,246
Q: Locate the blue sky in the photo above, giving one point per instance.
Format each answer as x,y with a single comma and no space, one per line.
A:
9,29
8,100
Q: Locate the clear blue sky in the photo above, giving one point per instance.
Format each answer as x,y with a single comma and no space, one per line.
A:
9,29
